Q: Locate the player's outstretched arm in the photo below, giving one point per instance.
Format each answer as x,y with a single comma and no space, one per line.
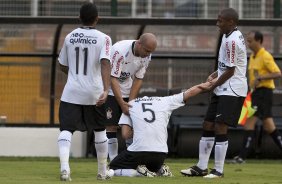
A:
200,88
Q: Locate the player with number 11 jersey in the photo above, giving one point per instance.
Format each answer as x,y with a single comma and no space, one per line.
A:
82,51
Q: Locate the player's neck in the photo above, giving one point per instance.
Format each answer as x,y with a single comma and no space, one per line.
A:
231,31
256,50
87,27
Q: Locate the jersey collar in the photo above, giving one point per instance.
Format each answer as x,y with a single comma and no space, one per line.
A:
87,27
235,29
261,50
132,47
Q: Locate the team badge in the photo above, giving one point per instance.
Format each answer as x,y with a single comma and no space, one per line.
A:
109,113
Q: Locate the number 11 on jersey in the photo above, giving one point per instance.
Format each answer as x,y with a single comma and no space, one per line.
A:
85,50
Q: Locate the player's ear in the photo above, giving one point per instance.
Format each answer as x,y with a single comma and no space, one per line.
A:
96,20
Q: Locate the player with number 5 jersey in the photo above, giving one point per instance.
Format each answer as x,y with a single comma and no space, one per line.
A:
147,124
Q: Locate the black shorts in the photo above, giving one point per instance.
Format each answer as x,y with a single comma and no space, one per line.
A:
262,101
74,117
225,109
113,111
130,160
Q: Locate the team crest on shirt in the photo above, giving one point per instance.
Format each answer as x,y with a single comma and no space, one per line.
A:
109,113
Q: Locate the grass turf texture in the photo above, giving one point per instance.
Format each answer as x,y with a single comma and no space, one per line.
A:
14,170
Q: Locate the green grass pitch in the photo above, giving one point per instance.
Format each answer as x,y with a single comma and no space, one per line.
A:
14,170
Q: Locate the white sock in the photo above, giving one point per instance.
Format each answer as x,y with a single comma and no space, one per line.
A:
64,143
205,148
219,155
101,145
113,148
127,172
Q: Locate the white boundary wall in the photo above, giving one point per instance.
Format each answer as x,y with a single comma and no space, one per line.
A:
38,142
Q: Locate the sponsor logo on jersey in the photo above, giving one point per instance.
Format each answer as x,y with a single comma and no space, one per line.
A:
115,55
118,65
145,98
221,65
107,46
227,50
80,38
242,39
233,51
124,76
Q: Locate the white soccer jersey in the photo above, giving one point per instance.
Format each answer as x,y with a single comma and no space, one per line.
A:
150,117
233,53
82,51
126,66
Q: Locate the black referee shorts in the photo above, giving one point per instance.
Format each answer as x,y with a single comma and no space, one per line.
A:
262,101
225,109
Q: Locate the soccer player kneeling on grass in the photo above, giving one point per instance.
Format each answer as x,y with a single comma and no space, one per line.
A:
147,124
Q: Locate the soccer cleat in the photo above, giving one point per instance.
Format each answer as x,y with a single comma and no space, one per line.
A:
194,171
236,160
108,176
142,169
164,171
65,176
214,174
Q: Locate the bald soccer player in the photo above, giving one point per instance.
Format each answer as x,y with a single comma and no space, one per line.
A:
130,59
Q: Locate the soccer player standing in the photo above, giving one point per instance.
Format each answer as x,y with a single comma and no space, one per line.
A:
85,58
130,59
225,106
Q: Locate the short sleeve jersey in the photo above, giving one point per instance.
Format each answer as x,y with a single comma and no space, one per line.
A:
149,117
126,66
262,64
82,52
233,53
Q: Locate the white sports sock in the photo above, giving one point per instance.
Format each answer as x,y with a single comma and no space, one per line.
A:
113,148
64,143
126,172
205,148
219,155
101,145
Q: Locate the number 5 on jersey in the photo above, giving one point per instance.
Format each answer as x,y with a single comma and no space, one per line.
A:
149,110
